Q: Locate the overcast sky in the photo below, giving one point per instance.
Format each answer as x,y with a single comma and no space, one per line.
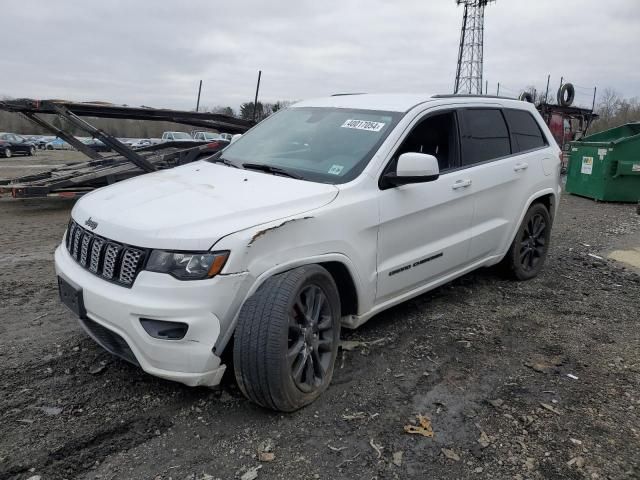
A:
154,52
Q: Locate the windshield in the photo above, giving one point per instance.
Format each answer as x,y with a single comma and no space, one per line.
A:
328,145
210,136
181,136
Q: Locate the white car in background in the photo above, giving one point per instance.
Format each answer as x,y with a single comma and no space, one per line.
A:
321,216
177,136
207,136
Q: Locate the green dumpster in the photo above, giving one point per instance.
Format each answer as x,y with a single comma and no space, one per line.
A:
606,165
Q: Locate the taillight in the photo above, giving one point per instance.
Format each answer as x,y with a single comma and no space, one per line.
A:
213,145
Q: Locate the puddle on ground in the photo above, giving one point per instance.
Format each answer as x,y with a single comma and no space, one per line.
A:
630,257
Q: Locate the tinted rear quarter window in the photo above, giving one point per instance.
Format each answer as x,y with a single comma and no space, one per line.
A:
485,136
525,131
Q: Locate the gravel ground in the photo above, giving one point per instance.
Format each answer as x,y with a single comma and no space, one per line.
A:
532,380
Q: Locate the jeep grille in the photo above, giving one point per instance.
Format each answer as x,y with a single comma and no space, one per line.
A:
112,261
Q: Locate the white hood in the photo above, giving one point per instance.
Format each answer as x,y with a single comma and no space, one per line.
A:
193,206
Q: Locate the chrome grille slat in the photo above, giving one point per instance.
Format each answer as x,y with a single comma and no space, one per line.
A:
76,241
84,249
129,265
110,260
96,250
70,230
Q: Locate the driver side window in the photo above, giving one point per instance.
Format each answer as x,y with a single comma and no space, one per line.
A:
436,135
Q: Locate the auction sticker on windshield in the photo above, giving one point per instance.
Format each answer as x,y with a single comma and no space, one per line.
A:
363,125
336,169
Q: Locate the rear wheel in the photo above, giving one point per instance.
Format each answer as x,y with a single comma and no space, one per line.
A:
7,152
287,338
527,253
32,151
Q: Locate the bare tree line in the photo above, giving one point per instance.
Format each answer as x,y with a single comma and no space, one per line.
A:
614,110
246,111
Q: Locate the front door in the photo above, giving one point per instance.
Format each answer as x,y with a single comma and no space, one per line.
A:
424,229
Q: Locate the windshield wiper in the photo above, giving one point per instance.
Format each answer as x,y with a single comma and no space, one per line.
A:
224,161
271,169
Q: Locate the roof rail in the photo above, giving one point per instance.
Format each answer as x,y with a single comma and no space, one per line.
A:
454,95
345,94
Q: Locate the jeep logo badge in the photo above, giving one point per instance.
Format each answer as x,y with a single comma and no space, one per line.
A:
91,224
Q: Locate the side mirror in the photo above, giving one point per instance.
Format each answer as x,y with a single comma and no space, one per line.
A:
235,137
413,167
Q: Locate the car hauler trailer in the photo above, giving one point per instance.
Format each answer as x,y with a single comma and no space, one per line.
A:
79,178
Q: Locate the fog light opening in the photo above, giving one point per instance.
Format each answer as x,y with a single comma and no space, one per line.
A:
164,330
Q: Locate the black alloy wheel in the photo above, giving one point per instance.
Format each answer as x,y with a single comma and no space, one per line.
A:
286,341
310,339
528,251
533,242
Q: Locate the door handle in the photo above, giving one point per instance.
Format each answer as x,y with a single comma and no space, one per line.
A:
520,166
461,184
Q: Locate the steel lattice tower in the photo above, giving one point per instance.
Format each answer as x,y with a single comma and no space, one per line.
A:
469,71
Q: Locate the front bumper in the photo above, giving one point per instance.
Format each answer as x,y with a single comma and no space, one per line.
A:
200,304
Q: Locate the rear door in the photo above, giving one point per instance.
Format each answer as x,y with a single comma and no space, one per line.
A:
500,164
19,144
424,228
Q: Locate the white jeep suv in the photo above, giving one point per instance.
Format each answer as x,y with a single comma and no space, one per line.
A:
318,218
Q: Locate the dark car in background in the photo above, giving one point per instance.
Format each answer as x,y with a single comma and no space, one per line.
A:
12,144
96,145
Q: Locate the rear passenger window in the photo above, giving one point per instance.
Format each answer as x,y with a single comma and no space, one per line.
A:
485,136
525,131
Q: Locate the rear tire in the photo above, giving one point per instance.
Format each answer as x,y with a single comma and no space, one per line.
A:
527,253
7,152
32,151
287,338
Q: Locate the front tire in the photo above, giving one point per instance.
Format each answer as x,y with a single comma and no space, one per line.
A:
7,152
527,253
287,338
32,151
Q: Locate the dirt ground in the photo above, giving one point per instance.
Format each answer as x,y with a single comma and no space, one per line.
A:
532,380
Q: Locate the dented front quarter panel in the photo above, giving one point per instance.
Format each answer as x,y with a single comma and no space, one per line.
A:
343,231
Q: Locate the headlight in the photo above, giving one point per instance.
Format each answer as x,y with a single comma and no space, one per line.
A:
187,265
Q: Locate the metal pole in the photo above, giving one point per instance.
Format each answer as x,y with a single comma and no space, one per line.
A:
198,102
546,95
255,101
558,96
498,91
593,106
